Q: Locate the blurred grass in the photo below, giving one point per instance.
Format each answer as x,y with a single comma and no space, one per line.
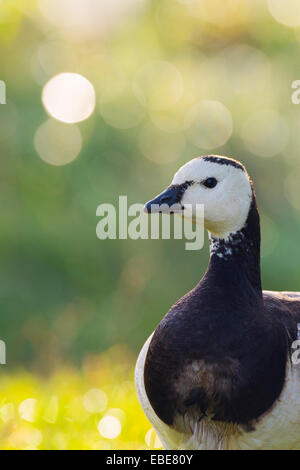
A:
63,410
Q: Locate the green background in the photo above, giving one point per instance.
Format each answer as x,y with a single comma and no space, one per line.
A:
66,295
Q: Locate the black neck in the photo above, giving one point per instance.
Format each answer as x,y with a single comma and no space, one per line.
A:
236,259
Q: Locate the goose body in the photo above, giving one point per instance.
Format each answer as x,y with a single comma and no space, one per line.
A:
217,371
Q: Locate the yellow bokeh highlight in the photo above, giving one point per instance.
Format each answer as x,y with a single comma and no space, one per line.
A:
286,12
109,427
57,143
94,407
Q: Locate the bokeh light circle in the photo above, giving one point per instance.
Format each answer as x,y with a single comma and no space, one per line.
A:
57,143
109,427
286,12
265,133
209,124
95,400
69,97
27,409
246,69
158,85
25,438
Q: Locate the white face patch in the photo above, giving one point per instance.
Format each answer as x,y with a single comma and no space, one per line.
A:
226,206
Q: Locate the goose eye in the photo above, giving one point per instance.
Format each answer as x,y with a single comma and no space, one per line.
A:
210,182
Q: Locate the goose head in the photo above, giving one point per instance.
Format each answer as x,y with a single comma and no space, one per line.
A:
221,184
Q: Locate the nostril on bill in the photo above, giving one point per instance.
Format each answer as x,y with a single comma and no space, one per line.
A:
165,199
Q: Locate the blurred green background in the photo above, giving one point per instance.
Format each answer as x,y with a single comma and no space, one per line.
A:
164,81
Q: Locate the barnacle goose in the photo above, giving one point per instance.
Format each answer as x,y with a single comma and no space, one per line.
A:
217,371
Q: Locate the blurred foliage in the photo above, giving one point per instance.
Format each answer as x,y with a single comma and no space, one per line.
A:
173,79
92,408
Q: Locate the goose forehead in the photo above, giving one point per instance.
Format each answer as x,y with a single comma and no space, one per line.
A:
199,169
